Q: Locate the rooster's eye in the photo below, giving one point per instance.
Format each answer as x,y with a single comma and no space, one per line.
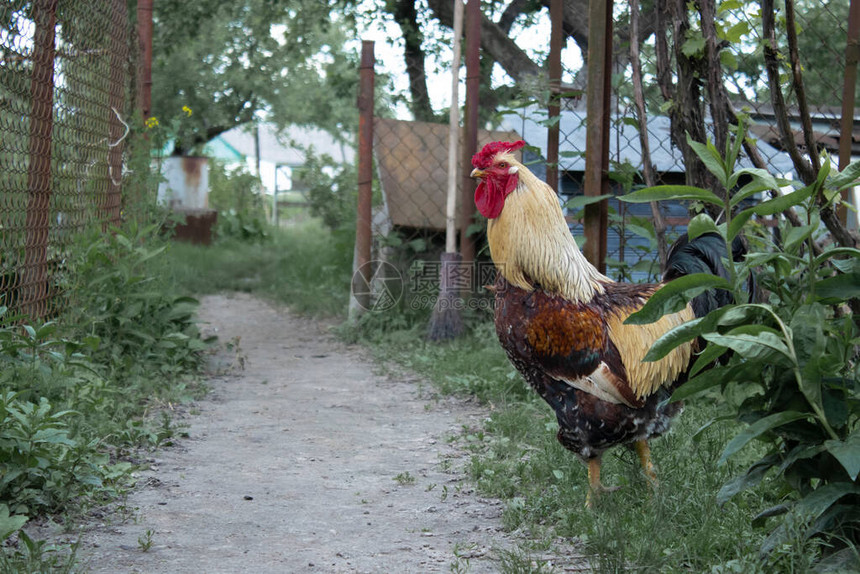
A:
503,165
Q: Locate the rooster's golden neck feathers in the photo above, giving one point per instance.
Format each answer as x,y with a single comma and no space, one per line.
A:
531,244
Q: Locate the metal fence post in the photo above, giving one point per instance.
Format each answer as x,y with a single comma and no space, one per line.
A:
33,287
117,129
361,264
144,30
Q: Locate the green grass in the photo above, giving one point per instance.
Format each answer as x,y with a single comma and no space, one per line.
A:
306,267
514,455
677,527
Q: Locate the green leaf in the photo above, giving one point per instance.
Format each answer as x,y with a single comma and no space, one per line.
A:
673,338
9,524
758,428
847,452
846,178
703,382
842,287
823,497
700,225
737,32
837,251
694,45
674,296
707,357
728,60
671,192
783,202
750,478
709,155
762,180
797,234
582,200
764,346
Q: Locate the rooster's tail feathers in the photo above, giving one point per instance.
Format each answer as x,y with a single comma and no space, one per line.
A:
704,254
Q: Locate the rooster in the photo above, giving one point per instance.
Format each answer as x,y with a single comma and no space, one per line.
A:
561,321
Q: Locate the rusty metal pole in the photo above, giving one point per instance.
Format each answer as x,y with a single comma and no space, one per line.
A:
597,129
361,270
33,287
470,125
846,130
144,31
554,109
119,41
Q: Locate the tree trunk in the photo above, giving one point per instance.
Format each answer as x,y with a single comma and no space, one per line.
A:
406,16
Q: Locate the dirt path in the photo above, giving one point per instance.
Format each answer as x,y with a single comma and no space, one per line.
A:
290,466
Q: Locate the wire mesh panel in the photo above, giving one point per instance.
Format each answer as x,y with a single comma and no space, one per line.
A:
65,96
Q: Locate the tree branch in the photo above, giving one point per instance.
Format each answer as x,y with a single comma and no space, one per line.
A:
647,167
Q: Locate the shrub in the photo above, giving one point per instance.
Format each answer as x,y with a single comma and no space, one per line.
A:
791,357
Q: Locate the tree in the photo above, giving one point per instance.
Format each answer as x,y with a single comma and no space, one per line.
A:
228,63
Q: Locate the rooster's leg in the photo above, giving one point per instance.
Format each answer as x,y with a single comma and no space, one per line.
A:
644,452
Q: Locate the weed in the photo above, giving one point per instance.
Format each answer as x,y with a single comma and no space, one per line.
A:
404,478
144,541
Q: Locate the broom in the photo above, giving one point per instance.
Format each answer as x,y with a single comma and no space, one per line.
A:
446,322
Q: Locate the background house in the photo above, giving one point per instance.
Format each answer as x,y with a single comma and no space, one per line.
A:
281,154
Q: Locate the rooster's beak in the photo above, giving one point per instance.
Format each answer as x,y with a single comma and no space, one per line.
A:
477,173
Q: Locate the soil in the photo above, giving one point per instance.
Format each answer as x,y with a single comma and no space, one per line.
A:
304,457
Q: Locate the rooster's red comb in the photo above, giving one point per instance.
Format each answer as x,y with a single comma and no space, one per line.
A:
484,158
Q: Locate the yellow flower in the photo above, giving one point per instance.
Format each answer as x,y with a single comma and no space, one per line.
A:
187,111
151,122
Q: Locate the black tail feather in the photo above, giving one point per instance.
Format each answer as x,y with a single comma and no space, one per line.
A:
703,254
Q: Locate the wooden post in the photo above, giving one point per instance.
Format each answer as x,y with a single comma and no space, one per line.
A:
554,109
597,130
852,55
470,141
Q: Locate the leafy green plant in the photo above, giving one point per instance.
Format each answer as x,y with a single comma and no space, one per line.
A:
43,464
331,189
121,303
793,355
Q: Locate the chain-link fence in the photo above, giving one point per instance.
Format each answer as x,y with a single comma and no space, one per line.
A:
741,29
67,73
409,213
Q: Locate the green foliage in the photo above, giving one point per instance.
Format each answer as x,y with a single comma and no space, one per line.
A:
793,356
135,323
75,389
306,266
38,556
331,189
237,195
228,61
